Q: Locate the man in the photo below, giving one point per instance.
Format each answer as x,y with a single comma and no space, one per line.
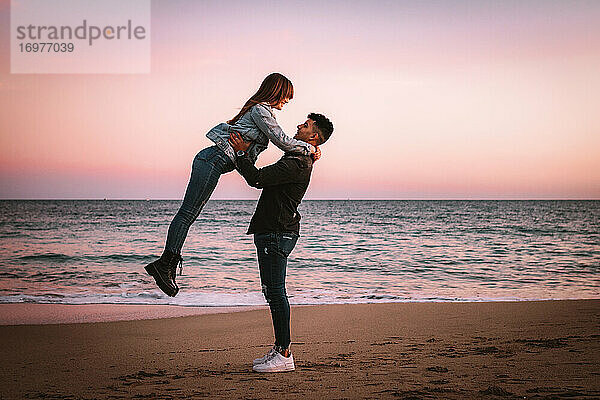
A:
276,226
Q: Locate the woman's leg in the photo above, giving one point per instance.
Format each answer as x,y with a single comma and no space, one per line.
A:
207,168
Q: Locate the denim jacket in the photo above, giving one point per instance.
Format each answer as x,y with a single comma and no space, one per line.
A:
257,125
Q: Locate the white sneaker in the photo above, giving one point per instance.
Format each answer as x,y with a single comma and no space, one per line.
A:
276,363
264,358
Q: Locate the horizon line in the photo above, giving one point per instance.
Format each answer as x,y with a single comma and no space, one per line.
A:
313,199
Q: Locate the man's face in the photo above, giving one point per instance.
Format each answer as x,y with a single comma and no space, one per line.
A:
306,133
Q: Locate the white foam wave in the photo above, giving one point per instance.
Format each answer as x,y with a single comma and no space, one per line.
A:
220,299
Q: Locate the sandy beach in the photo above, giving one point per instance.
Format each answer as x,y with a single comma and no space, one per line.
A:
541,350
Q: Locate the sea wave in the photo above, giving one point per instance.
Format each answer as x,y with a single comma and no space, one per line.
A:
208,299
349,251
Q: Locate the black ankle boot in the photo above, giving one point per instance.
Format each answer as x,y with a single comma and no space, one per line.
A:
164,270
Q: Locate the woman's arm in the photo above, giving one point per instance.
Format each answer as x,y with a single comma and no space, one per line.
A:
269,126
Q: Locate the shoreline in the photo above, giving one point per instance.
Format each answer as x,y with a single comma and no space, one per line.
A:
543,350
13,314
56,313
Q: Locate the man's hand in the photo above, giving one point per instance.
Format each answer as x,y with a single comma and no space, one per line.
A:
236,141
316,155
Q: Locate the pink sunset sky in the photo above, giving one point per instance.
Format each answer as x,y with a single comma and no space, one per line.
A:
429,99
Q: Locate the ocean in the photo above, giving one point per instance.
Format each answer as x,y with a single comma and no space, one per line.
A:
355,251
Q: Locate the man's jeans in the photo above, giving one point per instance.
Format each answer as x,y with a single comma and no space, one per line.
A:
273,250
207,168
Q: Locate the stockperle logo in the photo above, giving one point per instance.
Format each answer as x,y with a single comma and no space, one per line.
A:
80,36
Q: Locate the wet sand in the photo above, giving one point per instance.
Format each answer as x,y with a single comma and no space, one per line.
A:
33,314
541,350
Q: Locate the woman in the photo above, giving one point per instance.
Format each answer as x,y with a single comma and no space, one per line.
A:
255,123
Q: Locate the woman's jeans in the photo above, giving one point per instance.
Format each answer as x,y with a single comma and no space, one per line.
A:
273,250
207,168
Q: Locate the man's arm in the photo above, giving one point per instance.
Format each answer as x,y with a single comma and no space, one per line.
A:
283,171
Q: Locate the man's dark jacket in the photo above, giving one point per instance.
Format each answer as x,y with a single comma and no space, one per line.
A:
284,184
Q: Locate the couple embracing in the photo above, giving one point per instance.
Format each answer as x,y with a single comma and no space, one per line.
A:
276,221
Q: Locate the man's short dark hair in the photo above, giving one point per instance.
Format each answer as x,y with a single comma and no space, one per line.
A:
323,124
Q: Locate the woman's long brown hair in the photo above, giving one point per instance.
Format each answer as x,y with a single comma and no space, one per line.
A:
272,90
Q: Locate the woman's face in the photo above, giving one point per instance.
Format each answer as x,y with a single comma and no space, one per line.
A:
280,105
